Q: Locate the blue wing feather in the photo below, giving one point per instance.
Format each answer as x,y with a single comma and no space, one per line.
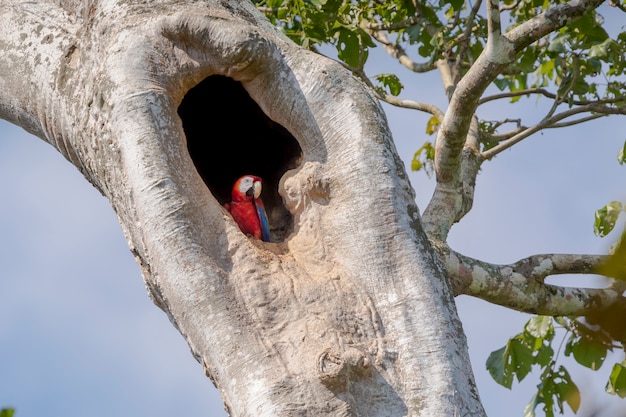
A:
265,227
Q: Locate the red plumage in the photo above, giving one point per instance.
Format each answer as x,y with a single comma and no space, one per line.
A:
247,207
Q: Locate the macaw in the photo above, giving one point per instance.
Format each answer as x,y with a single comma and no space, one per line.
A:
247,207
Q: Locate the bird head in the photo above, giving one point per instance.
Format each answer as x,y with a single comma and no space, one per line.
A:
247,188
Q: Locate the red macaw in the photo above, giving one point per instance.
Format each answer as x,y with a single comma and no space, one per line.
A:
247,207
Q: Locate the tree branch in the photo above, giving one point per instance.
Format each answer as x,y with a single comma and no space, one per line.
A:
547,94
454,159
551,122
410,104
520,286
394,101
457,161
552,19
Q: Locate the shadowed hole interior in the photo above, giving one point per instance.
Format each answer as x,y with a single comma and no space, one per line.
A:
228,136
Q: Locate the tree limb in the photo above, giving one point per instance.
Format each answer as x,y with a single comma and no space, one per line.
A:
552,19
394,101
548,122
413,105
520,286
448,204
548,94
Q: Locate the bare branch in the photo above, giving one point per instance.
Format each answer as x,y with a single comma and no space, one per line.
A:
577,121
547,94
519,93
394,101
598,109
521,285
413,105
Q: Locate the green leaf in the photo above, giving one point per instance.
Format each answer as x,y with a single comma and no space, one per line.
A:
391,82
423,158
529,410
615,266
587,351
621,156
348,47
567,391
617,381
606,217
601,50
545,393
502,83
516,358
496,365
520,358
432,126
539,326
558,44
274,4
7,412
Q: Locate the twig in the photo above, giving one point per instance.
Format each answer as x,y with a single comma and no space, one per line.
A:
551,122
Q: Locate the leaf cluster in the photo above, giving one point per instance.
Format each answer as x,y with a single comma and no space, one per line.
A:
581,60
7,412
587,341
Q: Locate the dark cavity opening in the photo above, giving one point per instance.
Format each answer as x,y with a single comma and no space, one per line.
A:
228,136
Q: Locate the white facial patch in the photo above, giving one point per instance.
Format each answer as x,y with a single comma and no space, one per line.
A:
245,184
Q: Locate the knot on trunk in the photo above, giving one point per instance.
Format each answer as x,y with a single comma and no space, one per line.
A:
337,370
304,186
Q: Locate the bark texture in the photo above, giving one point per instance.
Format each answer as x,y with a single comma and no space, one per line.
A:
347,311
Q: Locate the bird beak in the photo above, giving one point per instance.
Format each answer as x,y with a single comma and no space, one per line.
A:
256,189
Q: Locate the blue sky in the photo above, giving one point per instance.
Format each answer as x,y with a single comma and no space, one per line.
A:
79,336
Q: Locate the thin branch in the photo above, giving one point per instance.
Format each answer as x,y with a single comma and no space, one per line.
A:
577,121
521,285
413,105
551,122
548,94
394,101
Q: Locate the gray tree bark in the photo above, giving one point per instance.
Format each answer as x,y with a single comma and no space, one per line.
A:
347,311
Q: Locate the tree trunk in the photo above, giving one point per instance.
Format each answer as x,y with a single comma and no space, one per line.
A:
162,106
